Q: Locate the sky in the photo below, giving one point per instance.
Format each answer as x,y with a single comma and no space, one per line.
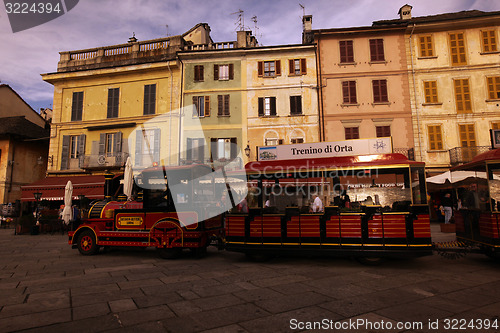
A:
25,55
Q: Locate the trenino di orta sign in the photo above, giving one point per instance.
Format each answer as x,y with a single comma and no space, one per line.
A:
326,149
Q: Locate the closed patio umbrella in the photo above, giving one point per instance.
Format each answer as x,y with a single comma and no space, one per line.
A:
67,214
128,179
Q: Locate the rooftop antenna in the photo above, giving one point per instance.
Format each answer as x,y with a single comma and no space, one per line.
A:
241,20
166,26
303,9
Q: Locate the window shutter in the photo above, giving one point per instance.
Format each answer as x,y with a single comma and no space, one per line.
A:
273,106
278,67
380,50
65,152
383,90
220,103
195,106
213,148
189,150
261,106
81,149
156,152
207,106
231,71
118,143
234,148
102,143
291,67
216,72
303,66
138,147
226,105
260,68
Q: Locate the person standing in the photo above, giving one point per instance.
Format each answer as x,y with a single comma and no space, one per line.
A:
317,206
447,204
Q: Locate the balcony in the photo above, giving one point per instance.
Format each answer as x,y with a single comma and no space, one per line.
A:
461,155
104,162
408,152
133,52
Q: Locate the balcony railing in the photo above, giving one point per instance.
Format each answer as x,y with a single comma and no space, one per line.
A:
212,46
461,155
103,161
408,152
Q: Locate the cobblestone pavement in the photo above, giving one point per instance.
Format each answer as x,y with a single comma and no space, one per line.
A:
46,286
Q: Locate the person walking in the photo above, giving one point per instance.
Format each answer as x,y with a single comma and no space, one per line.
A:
447,204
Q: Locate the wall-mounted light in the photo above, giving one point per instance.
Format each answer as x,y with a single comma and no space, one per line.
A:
50,160
247,150
39,160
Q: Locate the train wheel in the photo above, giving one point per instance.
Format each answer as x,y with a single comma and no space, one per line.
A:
371,261
87,244
172,253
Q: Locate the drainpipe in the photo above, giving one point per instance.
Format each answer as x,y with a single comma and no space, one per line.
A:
320,91
12,166
170,115
181,109
415,92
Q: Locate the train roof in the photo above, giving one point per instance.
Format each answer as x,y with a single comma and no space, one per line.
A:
327,163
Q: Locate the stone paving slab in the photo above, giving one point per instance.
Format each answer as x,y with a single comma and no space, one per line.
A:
55,289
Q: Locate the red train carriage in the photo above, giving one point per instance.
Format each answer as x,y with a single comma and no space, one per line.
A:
176,213
375,206
477,186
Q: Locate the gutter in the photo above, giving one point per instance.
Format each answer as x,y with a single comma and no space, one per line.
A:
415,92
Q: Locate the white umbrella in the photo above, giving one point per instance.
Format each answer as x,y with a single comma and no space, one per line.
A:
128,179
67,214
440,179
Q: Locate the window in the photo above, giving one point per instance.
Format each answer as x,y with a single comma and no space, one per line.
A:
273,141
377,50
297,140
77,106
297,67
223,148
267,106
495,125
380,91
147,146
201,106
73,149
430,90
425,43
149,99
269,68
195,149
489,41
74,145
351,133
457,49
346,51
467,135
349,92
462,96
494,87
223,72
198,73
223,105
110,144
113,100
435,137
295,105
383,131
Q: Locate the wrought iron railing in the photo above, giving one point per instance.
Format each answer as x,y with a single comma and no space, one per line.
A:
104,161
408,152
461,155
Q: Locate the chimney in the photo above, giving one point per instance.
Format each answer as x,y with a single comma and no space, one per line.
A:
405,12
245,39
307,22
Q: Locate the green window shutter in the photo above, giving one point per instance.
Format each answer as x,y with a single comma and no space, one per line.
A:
65,152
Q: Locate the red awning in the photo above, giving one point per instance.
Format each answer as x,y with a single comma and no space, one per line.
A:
52,188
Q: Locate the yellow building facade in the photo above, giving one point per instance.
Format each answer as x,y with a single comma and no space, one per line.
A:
454,80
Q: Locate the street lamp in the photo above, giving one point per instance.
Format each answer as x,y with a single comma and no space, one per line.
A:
247,151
